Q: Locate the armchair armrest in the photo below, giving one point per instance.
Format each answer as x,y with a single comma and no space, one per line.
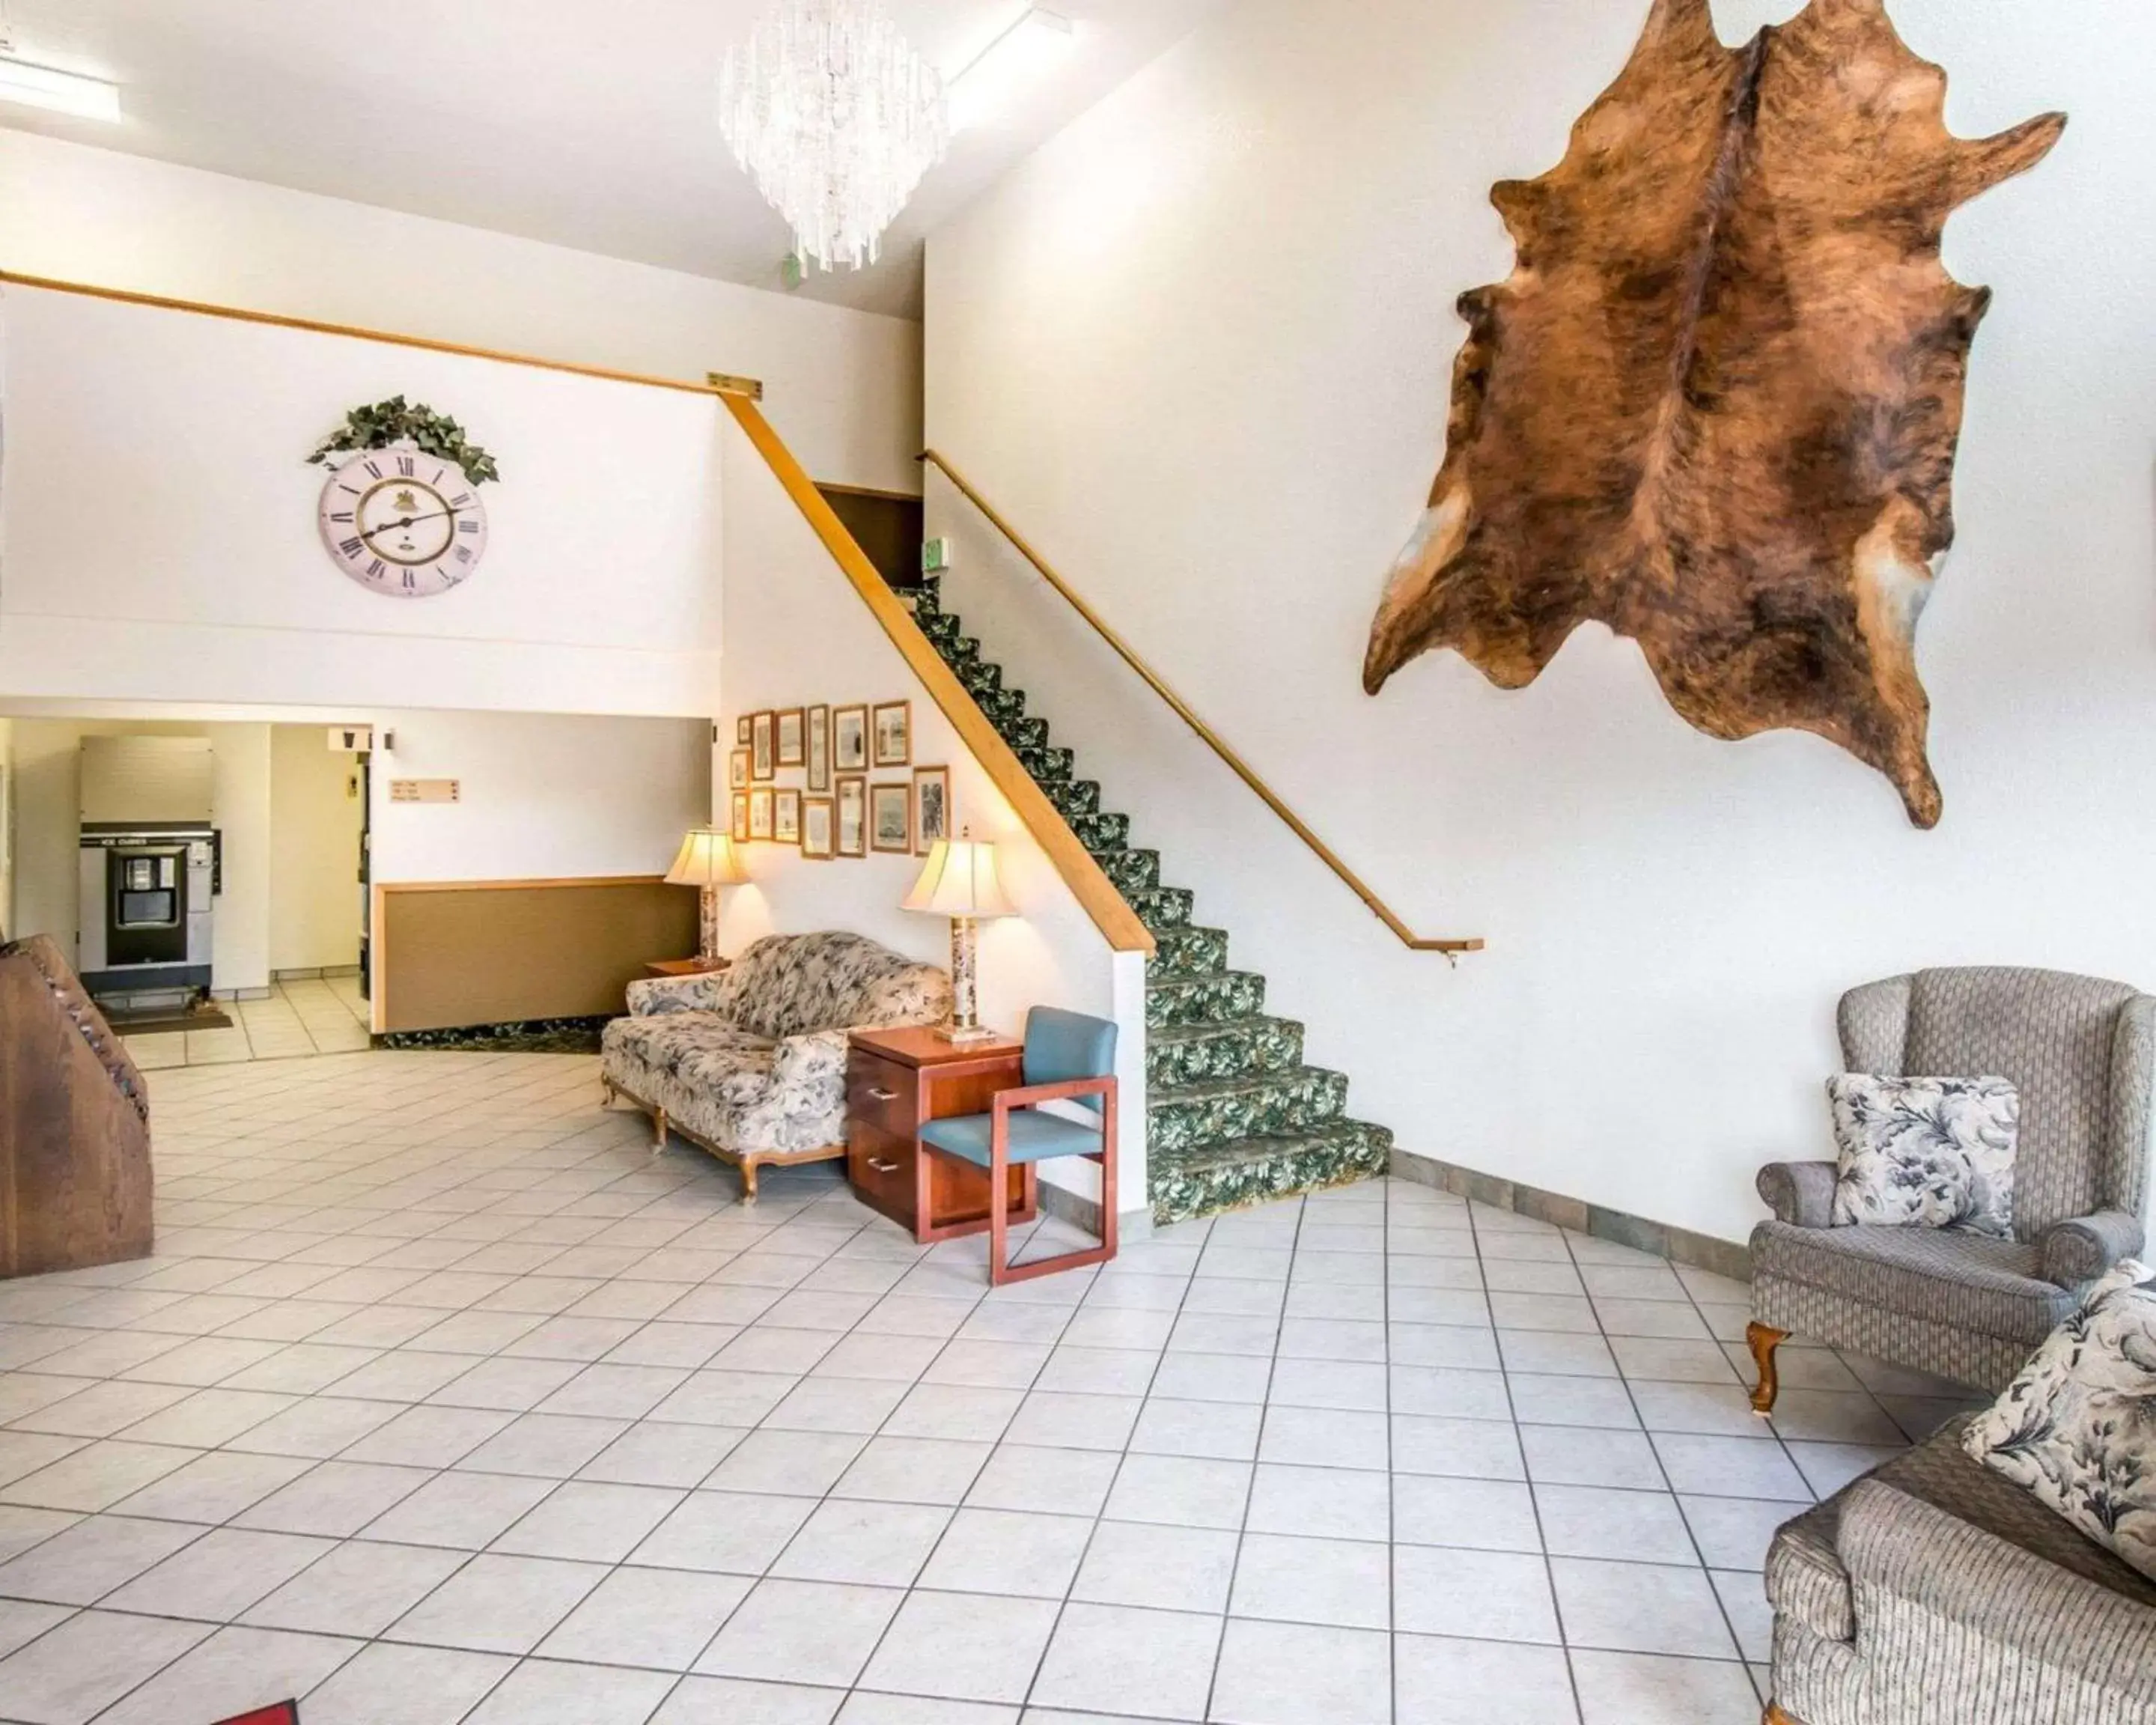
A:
2083,1248
1065,1089
1800,1193
711,991
814,1059
1914,1553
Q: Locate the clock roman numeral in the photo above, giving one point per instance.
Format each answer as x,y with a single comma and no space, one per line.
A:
436,479
374,467
350,491
467,526
344,515
461,499
464,554
375,569
411,580
352,547
406,466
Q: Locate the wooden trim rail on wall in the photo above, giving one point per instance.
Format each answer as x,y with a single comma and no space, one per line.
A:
516,950
1116,920
1205,733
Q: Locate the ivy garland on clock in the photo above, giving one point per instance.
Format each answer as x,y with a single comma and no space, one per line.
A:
402,515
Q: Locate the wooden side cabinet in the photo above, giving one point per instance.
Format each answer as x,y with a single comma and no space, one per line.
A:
898,1081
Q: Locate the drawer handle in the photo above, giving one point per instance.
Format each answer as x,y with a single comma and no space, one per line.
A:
882,1094
883,1168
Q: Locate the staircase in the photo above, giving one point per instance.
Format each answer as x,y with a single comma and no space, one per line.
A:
1233,1115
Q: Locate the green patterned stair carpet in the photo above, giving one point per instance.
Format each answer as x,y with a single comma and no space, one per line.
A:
1233,1116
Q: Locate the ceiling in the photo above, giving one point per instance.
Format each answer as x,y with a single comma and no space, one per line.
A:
588,125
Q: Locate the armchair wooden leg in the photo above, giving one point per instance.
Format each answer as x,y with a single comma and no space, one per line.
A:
1775,1716
749,1165
1764,1339
658,1129
998,1200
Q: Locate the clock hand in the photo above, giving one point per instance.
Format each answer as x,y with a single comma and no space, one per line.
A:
368,533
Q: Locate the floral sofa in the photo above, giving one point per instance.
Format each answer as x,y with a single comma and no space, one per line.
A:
750,1063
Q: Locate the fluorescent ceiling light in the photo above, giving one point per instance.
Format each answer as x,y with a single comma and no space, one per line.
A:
1034,46
62,92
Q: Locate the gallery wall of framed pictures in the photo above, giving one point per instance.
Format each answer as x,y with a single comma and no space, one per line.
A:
859,794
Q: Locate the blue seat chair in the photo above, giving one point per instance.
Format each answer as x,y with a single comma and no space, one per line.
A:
1068,1058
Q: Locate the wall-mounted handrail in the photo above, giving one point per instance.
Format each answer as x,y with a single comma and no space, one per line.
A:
1089,883
1205,733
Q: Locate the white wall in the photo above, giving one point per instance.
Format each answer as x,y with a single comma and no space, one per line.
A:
543,796
7,829
316,813
843,386
48,809
1199,349
798,635
159,524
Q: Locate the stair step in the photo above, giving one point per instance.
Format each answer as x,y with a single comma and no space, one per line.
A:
1203,1181
1214,1110
1024,733
980,678
1075,797
1184,1053
1045,766
1204,999
1162,907
1190,952
1005,708
1100,833
1130,870
941,627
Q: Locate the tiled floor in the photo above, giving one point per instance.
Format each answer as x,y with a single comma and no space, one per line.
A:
303,1015
444,1401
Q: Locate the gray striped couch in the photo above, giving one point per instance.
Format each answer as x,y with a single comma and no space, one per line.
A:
1934,1592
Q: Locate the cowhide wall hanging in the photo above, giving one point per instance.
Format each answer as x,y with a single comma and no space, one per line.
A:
1716,406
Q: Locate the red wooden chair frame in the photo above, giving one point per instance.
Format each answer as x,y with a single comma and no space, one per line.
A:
1001,1106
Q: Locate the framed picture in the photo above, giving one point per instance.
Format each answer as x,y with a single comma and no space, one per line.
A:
817,829
891,818
850,739
739,827
892,733
852,816
820,748
786,817
763,761
931,806
759,814
737,770
793,737
741,729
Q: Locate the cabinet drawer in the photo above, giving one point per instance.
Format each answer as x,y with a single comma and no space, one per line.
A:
881,1094
880,1165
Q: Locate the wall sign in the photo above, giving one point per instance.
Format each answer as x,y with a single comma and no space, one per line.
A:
426,790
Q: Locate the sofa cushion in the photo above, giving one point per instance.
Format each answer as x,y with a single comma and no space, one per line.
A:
664,1042
1035,1136
1925,1152
1804,1576
2077,1429
1969,1281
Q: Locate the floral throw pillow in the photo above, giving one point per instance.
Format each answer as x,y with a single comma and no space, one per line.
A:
1926,1152
2077,1429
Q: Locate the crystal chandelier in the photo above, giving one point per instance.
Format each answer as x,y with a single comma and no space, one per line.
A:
836,118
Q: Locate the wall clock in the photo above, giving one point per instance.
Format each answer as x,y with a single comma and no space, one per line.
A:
402,523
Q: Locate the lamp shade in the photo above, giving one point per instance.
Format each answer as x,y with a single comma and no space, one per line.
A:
959,879
706,859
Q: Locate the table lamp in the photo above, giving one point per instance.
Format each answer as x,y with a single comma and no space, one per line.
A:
959,881
707,860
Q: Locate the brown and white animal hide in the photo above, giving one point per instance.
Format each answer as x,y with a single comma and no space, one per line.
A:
1716,404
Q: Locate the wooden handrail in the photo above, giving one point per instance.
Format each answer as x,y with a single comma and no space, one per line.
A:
1089,883
1205,733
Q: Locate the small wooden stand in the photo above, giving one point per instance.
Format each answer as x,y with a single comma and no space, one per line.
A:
897,1081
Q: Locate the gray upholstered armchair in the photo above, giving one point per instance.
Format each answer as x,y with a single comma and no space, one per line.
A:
1965,1305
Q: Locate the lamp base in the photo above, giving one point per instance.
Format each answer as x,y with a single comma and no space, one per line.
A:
963,1035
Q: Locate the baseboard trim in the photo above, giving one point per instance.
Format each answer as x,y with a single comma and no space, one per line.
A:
1703,1251
1066,1205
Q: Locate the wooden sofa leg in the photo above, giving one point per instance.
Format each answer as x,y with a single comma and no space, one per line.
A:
749,1166
658,1129
1775,1716
1764,1339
